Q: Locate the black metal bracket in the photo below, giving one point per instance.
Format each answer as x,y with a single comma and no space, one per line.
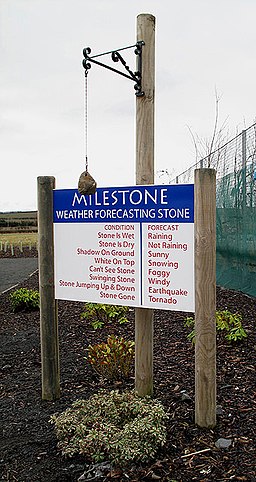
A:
116,57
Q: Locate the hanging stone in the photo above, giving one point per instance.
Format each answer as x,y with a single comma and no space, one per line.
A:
86,183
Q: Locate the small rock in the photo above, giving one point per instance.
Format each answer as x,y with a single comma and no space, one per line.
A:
185,396
154,476
219,410
223,443
95,472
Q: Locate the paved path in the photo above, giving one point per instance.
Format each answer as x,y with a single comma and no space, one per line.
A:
15,270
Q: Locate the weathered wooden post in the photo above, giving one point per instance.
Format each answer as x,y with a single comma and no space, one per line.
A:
48,305
145,175
205,297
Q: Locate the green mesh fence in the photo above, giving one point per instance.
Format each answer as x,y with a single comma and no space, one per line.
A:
235,165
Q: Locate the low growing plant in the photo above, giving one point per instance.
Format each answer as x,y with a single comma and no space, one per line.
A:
99,314
113,359
225,321
24,299
114,426
232,323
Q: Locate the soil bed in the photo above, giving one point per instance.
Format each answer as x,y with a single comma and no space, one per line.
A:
28,446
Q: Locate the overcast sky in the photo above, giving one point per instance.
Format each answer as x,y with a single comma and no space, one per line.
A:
201,46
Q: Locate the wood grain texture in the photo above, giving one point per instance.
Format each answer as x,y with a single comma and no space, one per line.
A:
145,175
144,318
145,106
48,305
205,297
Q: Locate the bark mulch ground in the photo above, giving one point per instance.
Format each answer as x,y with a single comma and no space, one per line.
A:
28,446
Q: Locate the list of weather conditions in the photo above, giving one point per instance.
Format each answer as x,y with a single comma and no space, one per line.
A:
130,246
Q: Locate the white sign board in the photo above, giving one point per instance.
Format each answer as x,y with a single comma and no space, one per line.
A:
130,246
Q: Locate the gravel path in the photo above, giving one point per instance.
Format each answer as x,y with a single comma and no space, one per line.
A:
13,271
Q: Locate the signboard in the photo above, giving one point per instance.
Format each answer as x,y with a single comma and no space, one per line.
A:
130,246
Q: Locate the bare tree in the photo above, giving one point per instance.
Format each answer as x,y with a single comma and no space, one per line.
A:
206,149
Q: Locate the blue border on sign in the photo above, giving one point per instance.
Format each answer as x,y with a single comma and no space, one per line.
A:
134,204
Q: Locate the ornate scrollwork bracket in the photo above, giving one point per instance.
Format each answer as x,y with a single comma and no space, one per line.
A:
117,57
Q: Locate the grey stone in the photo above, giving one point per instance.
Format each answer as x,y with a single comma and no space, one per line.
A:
95,472
223,443
219,410
185,396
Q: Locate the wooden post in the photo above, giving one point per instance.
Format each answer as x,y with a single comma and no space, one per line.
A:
48,305
205,297
145,175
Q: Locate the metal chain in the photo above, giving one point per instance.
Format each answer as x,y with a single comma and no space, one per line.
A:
86,121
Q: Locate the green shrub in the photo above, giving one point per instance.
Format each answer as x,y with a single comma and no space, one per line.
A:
120,427
225,321
113,359
232,323
99,314
24,299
